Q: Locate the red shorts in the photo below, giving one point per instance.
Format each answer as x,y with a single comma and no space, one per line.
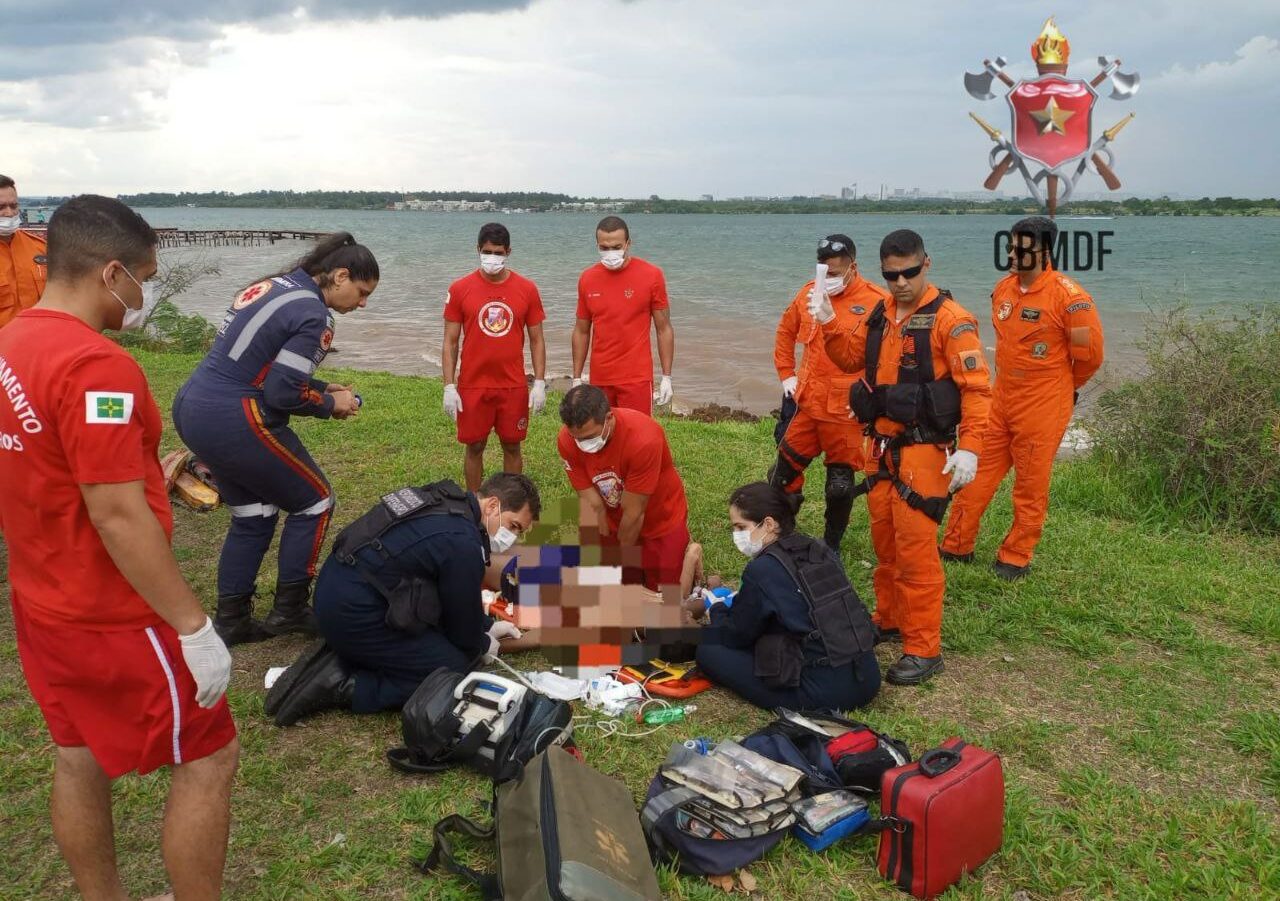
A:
485,410
661,558
633,396
126,695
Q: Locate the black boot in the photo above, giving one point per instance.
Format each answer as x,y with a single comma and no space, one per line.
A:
234,620
883,635
326,683
281,688
290,612
912,670
950,557
1009,571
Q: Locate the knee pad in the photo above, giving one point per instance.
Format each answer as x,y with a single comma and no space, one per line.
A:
788,467
839,482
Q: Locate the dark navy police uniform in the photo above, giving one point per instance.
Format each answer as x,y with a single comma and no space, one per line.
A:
768,603
233,412
452,551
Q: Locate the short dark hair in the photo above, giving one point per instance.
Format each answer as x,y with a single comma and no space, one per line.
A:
583,404
89,231
494,233
1043,229
331,253
826,251
613,224
7,182
901,243
760,499
513,490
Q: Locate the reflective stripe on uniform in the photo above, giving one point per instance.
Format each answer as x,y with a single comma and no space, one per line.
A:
250,331
319,507
263,510
296,362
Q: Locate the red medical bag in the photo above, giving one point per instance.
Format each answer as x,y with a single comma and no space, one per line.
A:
942,816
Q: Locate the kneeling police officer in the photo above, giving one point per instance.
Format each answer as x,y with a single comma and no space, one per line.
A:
399,596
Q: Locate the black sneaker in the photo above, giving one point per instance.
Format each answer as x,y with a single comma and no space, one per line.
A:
883,635
949,557
1009,572
912,670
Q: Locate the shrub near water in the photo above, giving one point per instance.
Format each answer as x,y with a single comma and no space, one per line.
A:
1199,435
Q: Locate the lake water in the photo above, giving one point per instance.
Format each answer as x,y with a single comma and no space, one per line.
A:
729,277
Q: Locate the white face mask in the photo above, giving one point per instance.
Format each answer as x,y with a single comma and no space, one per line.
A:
9,224
834,285
492,263
613,259
135,319
503,539
591,445
745,544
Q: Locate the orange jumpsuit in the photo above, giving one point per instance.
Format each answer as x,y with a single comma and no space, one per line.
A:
821,424
909,580
22,273
1048,344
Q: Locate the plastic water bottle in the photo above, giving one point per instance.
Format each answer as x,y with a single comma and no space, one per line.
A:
661,715
700,745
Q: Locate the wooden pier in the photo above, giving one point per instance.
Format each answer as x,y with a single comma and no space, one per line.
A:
229,237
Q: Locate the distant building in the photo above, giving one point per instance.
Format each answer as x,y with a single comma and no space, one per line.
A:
445,206
849,193
707,198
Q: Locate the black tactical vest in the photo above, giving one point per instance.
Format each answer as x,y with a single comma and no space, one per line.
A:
919,400
842,626
413,603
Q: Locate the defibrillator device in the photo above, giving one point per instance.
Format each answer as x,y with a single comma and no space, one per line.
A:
481,720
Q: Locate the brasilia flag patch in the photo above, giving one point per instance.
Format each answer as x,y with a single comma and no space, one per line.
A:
108,407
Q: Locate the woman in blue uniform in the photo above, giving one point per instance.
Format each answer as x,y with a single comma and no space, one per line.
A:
796,634
234,414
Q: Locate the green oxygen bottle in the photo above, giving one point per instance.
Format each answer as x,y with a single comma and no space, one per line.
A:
662,715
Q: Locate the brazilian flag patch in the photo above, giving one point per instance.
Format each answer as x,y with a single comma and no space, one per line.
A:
108,407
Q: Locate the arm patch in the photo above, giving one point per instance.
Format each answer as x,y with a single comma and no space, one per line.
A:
962,328
971,360
1079,307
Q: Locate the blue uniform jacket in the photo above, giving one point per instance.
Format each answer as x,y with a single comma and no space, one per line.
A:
451,551
769,601
269,344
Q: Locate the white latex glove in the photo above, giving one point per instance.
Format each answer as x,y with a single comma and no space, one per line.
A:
503,629
538,396
662,396
789,386
452,401
500,629
820,306
209,662
963,465
577,382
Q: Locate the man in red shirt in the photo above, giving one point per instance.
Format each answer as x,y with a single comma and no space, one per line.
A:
617,298
490,310
118,653
619,462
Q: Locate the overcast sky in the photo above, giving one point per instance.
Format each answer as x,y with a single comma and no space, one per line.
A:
606,97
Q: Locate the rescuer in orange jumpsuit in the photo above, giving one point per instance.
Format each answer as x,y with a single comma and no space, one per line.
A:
821,424
1048,344
22,258
926,388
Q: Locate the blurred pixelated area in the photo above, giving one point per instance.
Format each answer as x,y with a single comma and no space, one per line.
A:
587,601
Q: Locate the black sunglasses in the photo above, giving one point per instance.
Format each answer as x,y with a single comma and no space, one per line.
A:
837,246
908,274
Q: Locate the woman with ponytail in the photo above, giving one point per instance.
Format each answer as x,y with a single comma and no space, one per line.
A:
234,414
796,634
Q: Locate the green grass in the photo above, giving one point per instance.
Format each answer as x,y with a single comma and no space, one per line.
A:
1130,685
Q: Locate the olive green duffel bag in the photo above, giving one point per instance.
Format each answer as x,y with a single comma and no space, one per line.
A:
564,832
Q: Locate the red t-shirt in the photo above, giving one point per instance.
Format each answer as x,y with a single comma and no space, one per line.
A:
493,319
620,305
636,458
75,410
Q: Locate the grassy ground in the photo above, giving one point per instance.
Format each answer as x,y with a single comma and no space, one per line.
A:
1130,686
